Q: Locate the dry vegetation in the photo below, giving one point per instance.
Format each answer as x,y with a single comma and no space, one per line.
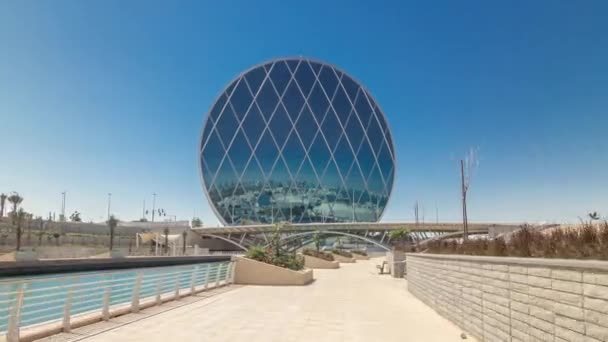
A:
585,241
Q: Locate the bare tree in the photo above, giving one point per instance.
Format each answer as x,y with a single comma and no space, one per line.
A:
467,166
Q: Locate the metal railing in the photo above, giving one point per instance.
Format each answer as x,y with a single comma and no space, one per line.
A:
58,300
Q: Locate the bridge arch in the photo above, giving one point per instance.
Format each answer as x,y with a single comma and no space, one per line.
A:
223,238
333,232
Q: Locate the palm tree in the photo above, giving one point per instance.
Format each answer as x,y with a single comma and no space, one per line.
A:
2,203
166,232
593,216
19,217
29,218
15,200
112,223
400,237
184,236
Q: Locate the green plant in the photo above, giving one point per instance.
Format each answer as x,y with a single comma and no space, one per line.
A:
342,252
196,222
40,234
318,254
112,223
400,238
15,200
286,260
257,253
56,236
275,240
359,252
166,246
290,261
75,217
21,214
2,204
317,240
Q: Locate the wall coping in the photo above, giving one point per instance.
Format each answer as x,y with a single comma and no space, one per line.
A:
596,265
53,266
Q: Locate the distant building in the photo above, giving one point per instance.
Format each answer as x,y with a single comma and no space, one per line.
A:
296,140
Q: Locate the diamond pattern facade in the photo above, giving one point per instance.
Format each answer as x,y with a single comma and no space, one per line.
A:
296,140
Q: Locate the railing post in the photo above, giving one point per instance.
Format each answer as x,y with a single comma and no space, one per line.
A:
207,267
193,280
67,308
136,288
12,334
105,313
217,275
176,296
159,287
232,272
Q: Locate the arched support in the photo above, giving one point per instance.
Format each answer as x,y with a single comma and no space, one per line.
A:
451,236
333,232
226,239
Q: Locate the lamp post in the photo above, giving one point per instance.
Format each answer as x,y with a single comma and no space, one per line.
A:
63,206
109,204
153,205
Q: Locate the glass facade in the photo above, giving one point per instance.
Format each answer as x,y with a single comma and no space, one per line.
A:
296,140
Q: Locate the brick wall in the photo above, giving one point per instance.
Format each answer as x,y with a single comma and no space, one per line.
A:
515,299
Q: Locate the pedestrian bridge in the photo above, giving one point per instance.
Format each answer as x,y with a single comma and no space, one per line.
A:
375,233
353,303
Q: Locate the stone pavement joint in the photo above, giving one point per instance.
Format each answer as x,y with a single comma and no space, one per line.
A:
353,303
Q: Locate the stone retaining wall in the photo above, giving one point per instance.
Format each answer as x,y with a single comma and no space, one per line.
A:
515,299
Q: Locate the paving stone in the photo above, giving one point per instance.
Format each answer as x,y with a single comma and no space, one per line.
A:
352,303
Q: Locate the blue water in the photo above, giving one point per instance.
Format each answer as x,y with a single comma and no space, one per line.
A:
45,296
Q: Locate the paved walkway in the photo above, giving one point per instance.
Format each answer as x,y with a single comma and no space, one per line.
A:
350,304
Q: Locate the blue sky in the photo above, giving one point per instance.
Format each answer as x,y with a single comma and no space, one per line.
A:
110,96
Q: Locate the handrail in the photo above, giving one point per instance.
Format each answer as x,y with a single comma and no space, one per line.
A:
33,302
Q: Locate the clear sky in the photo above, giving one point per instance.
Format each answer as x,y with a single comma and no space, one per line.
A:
110,96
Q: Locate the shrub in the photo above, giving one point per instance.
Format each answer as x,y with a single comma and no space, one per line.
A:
286,260
318,254
341,252
257,253
587,241
290,261
359,252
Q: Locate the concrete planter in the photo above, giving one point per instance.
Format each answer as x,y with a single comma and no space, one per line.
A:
342,259
252,272
396,262
312,262
360,257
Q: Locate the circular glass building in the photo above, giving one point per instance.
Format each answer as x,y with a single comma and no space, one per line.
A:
296,140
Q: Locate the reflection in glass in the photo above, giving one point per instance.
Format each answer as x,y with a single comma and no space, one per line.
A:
296,140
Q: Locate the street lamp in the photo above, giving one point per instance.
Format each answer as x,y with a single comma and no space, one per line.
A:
63,206
153,205
109,204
